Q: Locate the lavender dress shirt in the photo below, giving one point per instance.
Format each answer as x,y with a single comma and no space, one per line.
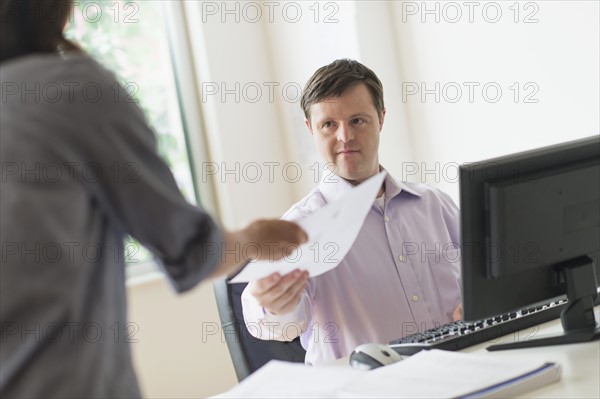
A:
401,276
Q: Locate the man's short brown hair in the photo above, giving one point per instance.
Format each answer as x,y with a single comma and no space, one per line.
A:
332,80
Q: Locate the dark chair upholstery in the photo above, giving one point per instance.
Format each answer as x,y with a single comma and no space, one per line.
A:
247,352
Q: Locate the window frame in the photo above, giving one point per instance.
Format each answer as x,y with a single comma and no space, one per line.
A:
192,125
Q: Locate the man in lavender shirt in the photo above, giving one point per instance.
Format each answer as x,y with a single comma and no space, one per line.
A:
402,274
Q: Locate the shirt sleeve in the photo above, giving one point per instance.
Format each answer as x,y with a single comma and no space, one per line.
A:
265,325
137,190
451,215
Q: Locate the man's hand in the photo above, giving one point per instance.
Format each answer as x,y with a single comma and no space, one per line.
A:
279,294
457,315
261,240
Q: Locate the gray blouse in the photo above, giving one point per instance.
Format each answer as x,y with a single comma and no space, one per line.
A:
80,171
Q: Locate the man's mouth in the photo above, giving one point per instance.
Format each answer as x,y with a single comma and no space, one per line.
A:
347,152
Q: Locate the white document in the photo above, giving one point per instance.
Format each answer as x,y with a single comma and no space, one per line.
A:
443,374
278,379
428,374
331,232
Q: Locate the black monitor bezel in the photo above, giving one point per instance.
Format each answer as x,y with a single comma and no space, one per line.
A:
483,296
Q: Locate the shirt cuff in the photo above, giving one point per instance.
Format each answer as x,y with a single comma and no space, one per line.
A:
265,325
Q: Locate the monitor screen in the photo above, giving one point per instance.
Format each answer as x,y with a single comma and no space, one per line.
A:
523,218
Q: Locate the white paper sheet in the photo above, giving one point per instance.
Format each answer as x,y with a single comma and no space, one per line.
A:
428,374
443,374
278,379
331,232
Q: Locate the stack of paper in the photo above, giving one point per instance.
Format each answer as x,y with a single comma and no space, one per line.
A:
443,374
278,379
428,374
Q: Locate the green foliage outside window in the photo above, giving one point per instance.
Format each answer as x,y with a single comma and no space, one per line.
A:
130,38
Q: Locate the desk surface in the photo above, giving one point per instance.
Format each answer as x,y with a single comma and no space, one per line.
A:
580,363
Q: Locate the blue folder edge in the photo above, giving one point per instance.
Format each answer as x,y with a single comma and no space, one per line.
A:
508,383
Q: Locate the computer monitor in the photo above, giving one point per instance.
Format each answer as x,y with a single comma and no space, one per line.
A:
530,232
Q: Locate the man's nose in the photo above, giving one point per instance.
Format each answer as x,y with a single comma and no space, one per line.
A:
344,133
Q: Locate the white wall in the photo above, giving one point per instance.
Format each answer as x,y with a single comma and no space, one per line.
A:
180,352
559,54
234,77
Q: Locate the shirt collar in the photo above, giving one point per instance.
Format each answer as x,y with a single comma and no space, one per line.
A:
333,187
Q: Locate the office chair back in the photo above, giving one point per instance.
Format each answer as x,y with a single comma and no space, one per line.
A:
247,352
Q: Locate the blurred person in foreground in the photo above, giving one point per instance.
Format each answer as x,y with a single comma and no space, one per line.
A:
65,213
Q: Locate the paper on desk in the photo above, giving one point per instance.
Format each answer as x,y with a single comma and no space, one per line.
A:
443,374
279,379
428,374
331,232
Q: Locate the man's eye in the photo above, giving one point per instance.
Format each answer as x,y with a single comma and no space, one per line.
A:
358,121
327,125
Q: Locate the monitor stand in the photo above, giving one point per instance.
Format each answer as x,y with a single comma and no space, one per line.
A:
578,321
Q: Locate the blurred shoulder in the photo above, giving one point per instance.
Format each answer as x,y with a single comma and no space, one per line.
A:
57,68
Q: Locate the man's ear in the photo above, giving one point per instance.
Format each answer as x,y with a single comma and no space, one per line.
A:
308,126
382,118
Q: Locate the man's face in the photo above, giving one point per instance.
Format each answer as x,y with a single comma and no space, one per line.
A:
346,133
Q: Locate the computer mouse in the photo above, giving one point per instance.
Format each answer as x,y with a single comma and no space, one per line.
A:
371,356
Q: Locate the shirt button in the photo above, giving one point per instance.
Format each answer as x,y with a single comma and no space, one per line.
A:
415,298
401,258
387,219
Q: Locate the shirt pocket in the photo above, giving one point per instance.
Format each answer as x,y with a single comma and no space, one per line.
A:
445,269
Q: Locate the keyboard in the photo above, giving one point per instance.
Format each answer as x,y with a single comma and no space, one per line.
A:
460,334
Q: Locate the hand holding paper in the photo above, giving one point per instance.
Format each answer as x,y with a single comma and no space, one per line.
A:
331,232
